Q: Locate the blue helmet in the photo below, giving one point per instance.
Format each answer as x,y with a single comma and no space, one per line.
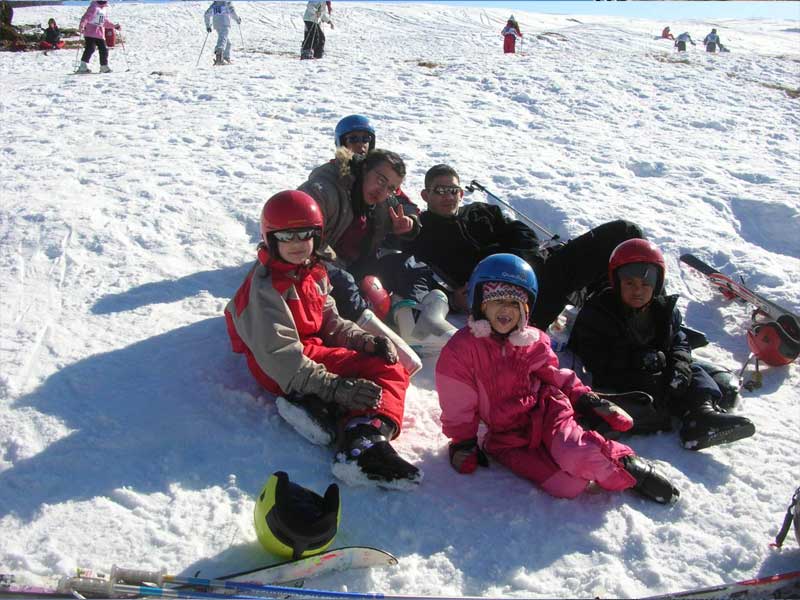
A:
507,268
350,124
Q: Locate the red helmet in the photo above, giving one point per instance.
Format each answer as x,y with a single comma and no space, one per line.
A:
777,343
637,250
291,209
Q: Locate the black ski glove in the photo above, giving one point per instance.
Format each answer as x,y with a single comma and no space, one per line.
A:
681,371
208,29
590,403
379,345
651,361
466,455
356,394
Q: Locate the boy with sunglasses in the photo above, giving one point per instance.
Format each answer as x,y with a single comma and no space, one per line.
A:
453,239
334,379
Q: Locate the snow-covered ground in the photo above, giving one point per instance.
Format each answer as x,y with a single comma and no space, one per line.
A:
129,432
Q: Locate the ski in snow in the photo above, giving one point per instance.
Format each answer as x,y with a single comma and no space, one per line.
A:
291,571
782,585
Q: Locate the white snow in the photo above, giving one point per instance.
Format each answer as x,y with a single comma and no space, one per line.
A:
130,434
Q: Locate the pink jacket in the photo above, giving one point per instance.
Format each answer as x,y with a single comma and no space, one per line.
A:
506,384
94,22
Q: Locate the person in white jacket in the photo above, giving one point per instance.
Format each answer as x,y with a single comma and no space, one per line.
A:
222,13
314,39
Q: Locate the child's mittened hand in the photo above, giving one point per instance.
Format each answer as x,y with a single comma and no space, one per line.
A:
653,361
384,347
616,417
357,394
465,456
681,376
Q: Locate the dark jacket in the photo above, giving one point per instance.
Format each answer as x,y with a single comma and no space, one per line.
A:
604,341
452,246
52,35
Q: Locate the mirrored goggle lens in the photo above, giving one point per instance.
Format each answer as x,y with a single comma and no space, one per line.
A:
288,236
441,190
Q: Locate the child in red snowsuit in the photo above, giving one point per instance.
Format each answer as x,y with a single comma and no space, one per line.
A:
329,370
52,37
510,34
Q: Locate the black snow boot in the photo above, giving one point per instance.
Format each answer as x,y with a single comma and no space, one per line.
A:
650,483
366,453
312,418
707,425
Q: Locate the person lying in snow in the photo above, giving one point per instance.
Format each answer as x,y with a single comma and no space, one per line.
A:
416,302
356,194
454,238
325,367
629,337
502,372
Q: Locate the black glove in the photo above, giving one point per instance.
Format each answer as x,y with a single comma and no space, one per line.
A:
379,345
652,361
681,371
356,394
466,455
616,417
208,29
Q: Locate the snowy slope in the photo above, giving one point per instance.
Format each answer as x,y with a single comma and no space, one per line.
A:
130,434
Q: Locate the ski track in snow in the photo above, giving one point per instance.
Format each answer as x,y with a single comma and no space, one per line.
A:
130,434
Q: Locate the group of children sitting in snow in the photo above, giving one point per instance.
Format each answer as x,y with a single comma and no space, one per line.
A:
341,374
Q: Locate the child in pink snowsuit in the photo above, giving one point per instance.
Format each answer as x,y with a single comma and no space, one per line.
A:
500,371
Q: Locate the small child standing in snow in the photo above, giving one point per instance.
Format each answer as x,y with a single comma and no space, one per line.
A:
510,34
222,13
328,369
629,337
93,25
503,372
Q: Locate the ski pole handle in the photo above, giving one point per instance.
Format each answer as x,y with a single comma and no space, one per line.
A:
137,576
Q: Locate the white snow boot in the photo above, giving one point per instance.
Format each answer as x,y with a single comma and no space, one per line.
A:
83,68
104,69
428,331
407,357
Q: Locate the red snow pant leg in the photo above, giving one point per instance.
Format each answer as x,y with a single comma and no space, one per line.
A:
509,44
393,379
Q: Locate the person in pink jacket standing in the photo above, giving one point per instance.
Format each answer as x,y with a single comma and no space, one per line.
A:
93,25
503,372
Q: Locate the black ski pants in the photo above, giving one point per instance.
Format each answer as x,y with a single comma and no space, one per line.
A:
313,40
89,45
580,263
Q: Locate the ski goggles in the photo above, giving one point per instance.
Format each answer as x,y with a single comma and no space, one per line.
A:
358,139
443,190
296,234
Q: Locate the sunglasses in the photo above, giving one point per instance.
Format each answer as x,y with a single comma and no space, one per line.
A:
441,190
301,235
358,139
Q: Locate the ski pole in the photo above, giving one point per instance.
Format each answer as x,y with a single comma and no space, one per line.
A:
77,53
201,50
240,34
125,54
160,578
474,185
109,588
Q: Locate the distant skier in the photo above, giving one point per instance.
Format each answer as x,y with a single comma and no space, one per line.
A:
667,34
314,38
680,42
712,42
222,13
502,372
510,34
52,37
93,24
629,337
297,346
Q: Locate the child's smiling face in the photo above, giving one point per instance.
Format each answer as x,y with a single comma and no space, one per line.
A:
503,315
